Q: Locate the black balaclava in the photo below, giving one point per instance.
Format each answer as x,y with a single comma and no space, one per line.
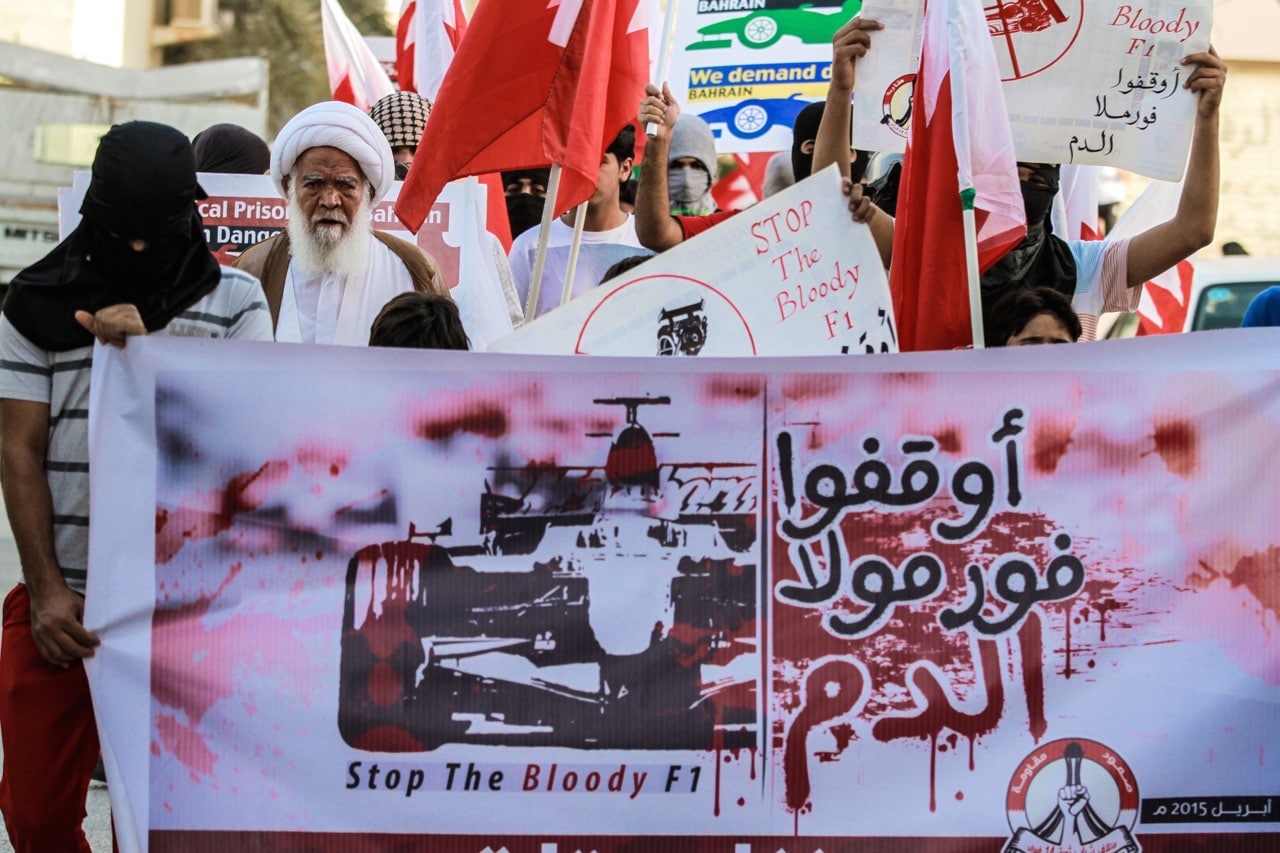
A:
524,210
143,188
805,130
1042,259
231,149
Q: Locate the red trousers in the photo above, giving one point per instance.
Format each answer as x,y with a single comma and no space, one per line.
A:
50,741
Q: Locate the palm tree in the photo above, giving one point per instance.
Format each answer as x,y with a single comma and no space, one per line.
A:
287,33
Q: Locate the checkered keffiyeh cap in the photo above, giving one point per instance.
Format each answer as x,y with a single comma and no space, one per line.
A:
402,117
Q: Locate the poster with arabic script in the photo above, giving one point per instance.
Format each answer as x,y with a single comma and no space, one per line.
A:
990,600
1091,82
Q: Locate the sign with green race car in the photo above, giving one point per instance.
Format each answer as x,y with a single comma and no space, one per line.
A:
748,67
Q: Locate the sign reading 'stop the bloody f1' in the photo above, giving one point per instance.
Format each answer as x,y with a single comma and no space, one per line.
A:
1019,601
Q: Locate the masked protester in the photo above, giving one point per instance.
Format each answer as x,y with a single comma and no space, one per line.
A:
673,196
137,264
608,235
1042,259
1098,276
691,164
526,191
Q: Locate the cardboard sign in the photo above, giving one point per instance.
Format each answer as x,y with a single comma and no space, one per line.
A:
792,275
1086,81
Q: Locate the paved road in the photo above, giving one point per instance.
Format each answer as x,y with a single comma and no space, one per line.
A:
98,824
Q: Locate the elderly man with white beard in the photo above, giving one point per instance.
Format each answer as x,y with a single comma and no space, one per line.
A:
327,277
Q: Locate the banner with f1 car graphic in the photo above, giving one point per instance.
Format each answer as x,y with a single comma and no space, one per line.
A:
376,599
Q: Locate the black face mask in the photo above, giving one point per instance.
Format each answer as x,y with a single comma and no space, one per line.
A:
402,171
524,211
1038,201
113,258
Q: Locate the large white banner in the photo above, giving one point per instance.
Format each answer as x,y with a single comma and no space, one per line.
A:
748,67
1018,600
793,275
1095,82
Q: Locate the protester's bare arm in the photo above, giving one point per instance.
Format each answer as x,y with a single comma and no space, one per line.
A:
1159,248
56,610
833,141
656,228
863,209
113,324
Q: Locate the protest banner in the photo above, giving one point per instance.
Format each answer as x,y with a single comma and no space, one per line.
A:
793,275
748,67
242,210
1086,82
454,601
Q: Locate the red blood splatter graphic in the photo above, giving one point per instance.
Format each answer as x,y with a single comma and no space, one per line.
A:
1049,442
186,744
315,460
960,695
1178,445
1032,643
831,690
1260,574
949,440
730,387
937,713
1099,594
195,665
485,419
211,513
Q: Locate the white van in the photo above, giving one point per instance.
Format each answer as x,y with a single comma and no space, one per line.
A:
1222,288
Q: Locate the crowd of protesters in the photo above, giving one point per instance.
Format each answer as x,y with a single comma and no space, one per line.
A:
138,264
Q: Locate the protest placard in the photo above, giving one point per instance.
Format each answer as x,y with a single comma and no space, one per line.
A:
242,210
1086,82
453,602
748,67
793,275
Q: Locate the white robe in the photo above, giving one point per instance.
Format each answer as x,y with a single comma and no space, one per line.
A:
326,308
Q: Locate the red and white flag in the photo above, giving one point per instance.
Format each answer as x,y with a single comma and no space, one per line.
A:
744,186
960,148
1163,306
561,92
1075,210
427,36
355,75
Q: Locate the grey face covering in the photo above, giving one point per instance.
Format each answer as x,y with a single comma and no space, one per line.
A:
690,192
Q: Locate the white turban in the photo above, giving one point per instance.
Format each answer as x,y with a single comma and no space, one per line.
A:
336,125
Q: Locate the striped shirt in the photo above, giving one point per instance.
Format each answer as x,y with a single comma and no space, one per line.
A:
235,308
1102,277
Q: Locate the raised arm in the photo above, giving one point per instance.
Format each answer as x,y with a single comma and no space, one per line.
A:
834,141
656,228
1159,248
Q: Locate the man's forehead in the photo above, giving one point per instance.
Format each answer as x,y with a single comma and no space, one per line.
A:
328,159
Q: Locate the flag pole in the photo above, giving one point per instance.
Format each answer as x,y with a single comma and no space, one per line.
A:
664,56
539,260
579,221
967,197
